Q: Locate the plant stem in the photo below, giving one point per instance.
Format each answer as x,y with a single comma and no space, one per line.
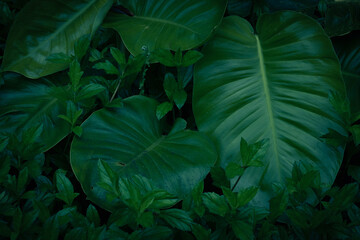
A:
237,181
116,90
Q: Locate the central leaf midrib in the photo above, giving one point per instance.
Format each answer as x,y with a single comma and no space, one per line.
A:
269,107
146,150
165,22
52,36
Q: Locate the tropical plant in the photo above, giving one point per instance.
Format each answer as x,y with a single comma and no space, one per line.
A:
179,119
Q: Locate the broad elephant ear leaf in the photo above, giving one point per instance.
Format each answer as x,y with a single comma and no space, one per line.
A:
25,103
272,84
166,24
348,51
130,140
43,28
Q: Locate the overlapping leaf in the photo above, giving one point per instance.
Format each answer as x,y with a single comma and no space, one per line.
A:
166,24
272,84
26,103
130,140
43,28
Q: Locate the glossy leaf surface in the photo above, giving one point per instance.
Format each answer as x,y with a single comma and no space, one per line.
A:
43,28
25,103
166,24
130,140
348,51
270,85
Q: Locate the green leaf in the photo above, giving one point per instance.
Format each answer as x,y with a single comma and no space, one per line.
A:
215,203
219,178
177,218
77,130
146,219
17,221
278,205
241,8
191,57
119,56
95,55
81,46
266,86
164,56
59,58
153,28
179,125
243,230
130,141
252,154
75,74
233,170
108,67
356,134
89,90
348,51
58,25
162,109
180,98
342,17
25,103
22,180
200,232
64,186
151,233
170,85
244,196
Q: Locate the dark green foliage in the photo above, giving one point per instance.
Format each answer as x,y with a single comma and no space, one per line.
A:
175,119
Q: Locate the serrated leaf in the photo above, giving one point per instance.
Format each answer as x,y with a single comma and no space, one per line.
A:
200,232
89,90
151,233
219,177
177,218
81,46
215,203
162,109
65,187
93,215
234,169
95,55
146,219
108,67
244,196
75,74
119,56
243,230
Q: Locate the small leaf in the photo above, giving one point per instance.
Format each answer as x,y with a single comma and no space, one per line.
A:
108,67
162,109
234,169
17,220
334,138
180,98
77,130
146,219
278,205
230,196
355,130
200,232
170,85
219,177
215,203
243,230
177,218
179,125
81,46
119,56
178,57
165,57
3,142
151,233
75,74
59,58
134,65
244,196
252,154
108,178
22,180
191,57
65,188
89,91
93,215
95,55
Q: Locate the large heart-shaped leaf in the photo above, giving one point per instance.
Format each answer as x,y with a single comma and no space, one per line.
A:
130,140
42,28
348,51
166,24
25,103
272,84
